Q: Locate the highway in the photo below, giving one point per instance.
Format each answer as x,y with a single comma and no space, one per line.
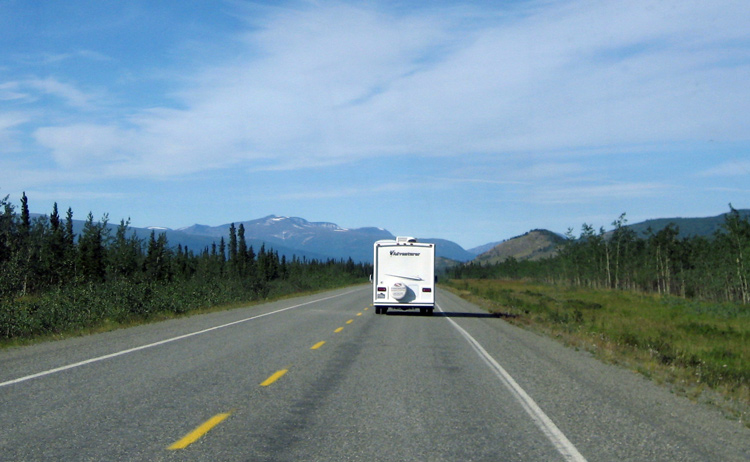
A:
323,378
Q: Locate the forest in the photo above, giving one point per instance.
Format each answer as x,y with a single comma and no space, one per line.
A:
53,281
707,268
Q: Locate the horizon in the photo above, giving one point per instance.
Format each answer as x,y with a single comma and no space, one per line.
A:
464,120
494,242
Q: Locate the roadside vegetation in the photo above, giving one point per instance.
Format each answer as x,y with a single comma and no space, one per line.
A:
677,311
53,282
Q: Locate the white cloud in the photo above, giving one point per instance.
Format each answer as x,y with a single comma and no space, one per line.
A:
33,89
69,93
84,145
598,193
736,167
336,193
10,91
327,84
9,128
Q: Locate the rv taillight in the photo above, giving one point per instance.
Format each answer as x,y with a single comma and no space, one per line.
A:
426,289
381,289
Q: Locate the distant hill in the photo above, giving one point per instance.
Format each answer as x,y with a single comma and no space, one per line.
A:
320,238
483,248
308,238
689,227
534,245
289,236
450,250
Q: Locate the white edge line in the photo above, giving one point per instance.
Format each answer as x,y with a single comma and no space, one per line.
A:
161,342
542,421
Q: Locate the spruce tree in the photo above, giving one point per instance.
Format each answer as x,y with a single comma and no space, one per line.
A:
233,262
25,227
91,251
54,250
124,253
7,226
156,265
241,251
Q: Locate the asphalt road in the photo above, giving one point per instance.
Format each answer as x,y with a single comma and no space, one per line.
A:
324,378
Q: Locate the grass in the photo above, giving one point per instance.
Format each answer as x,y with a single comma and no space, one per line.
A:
699,349
108,324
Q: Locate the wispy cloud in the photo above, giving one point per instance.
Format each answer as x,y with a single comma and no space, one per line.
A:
33,90
732,168
338,193
554,107
581,194
480,181
47,58
9,130
65,195
331,83
10,91
68,93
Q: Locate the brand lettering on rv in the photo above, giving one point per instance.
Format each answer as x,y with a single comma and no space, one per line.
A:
396,253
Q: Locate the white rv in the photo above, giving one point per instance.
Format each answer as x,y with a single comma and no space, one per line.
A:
403,275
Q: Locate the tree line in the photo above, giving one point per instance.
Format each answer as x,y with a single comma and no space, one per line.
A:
711,268
52,280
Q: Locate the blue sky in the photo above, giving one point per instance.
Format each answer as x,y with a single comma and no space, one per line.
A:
473,121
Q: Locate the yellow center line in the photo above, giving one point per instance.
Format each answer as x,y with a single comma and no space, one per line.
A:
350,321
276,376
193,436
317,345
339,330
359,314
367,308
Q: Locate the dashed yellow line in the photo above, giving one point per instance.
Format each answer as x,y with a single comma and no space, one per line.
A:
276,376
204,428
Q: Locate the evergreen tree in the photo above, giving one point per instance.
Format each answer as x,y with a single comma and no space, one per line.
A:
54,249
251,270
262,264
235,256
7,230
241,251
91,251
156,265
232,245
222,256
25,227
124,253
23,244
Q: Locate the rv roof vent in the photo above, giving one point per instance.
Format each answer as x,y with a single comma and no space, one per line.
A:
405,239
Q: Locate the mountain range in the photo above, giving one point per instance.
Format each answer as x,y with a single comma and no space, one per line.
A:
293,236
316,239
